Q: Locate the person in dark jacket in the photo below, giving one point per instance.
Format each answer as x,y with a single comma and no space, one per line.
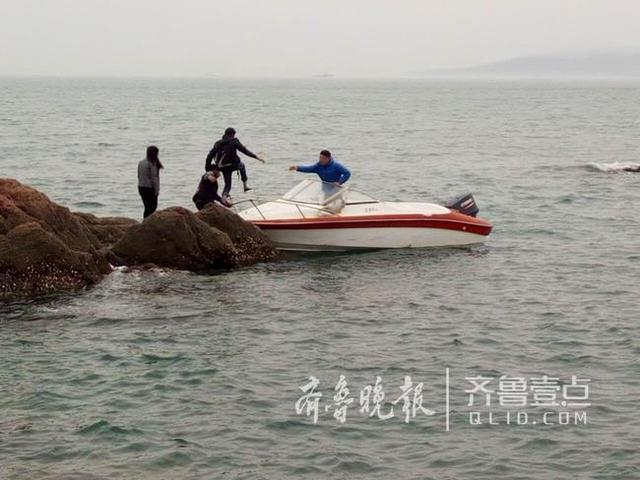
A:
208,190
149,180
225,155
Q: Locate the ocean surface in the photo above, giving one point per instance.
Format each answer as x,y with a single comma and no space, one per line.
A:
170,375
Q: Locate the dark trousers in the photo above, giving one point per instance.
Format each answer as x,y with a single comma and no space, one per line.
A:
228,177
201,201
149,199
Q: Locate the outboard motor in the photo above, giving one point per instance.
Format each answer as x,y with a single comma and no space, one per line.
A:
464,204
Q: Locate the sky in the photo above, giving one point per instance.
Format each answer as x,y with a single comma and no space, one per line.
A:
292,38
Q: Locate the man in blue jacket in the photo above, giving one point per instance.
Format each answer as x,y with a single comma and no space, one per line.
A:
327,169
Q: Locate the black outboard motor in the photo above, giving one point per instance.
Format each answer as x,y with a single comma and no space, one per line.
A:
464,204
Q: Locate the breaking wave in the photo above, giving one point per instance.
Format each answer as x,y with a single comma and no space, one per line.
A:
615,167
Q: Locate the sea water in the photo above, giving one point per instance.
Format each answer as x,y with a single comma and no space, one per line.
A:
162,374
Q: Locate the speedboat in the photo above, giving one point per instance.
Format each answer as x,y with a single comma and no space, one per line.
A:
318,216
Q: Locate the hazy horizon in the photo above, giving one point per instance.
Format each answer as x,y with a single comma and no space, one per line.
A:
285,38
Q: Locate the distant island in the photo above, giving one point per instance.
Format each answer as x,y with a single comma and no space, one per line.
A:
578,65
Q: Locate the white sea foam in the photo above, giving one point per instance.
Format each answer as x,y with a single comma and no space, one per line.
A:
614,167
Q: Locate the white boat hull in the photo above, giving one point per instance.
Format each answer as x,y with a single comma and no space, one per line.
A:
344,239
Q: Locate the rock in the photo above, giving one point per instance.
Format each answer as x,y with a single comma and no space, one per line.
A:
34,261
22,204
250,243
106,231
45,248
177,238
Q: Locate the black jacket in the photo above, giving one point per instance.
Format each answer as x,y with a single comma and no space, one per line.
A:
225,153
207,193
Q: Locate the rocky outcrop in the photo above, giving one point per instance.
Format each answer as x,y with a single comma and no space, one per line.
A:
45,248
250,244
175,238
20,204
104,232
212,239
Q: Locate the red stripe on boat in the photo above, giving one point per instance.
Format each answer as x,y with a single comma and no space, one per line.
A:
448,221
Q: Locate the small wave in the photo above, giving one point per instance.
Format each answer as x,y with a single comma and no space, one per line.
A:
89,204
28,343
151,358
15,426
106,321
171,460
104,427
615,167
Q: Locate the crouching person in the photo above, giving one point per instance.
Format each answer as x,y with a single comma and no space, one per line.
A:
208,191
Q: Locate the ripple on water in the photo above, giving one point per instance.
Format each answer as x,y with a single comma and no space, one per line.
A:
104,428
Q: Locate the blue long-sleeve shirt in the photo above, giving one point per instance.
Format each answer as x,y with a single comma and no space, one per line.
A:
331,172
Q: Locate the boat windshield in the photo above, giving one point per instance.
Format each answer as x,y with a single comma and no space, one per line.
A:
315,192
354,197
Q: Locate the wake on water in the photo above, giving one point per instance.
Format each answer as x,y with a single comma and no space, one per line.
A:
615,167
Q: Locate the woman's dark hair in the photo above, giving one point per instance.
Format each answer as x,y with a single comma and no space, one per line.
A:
152,155
325,153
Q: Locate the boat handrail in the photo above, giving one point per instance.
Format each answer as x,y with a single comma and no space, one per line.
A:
288,202
305,205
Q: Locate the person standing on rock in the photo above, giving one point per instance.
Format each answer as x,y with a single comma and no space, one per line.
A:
225,155
149,180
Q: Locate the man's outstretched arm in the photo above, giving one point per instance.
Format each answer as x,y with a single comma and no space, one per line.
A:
247,152
305,168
